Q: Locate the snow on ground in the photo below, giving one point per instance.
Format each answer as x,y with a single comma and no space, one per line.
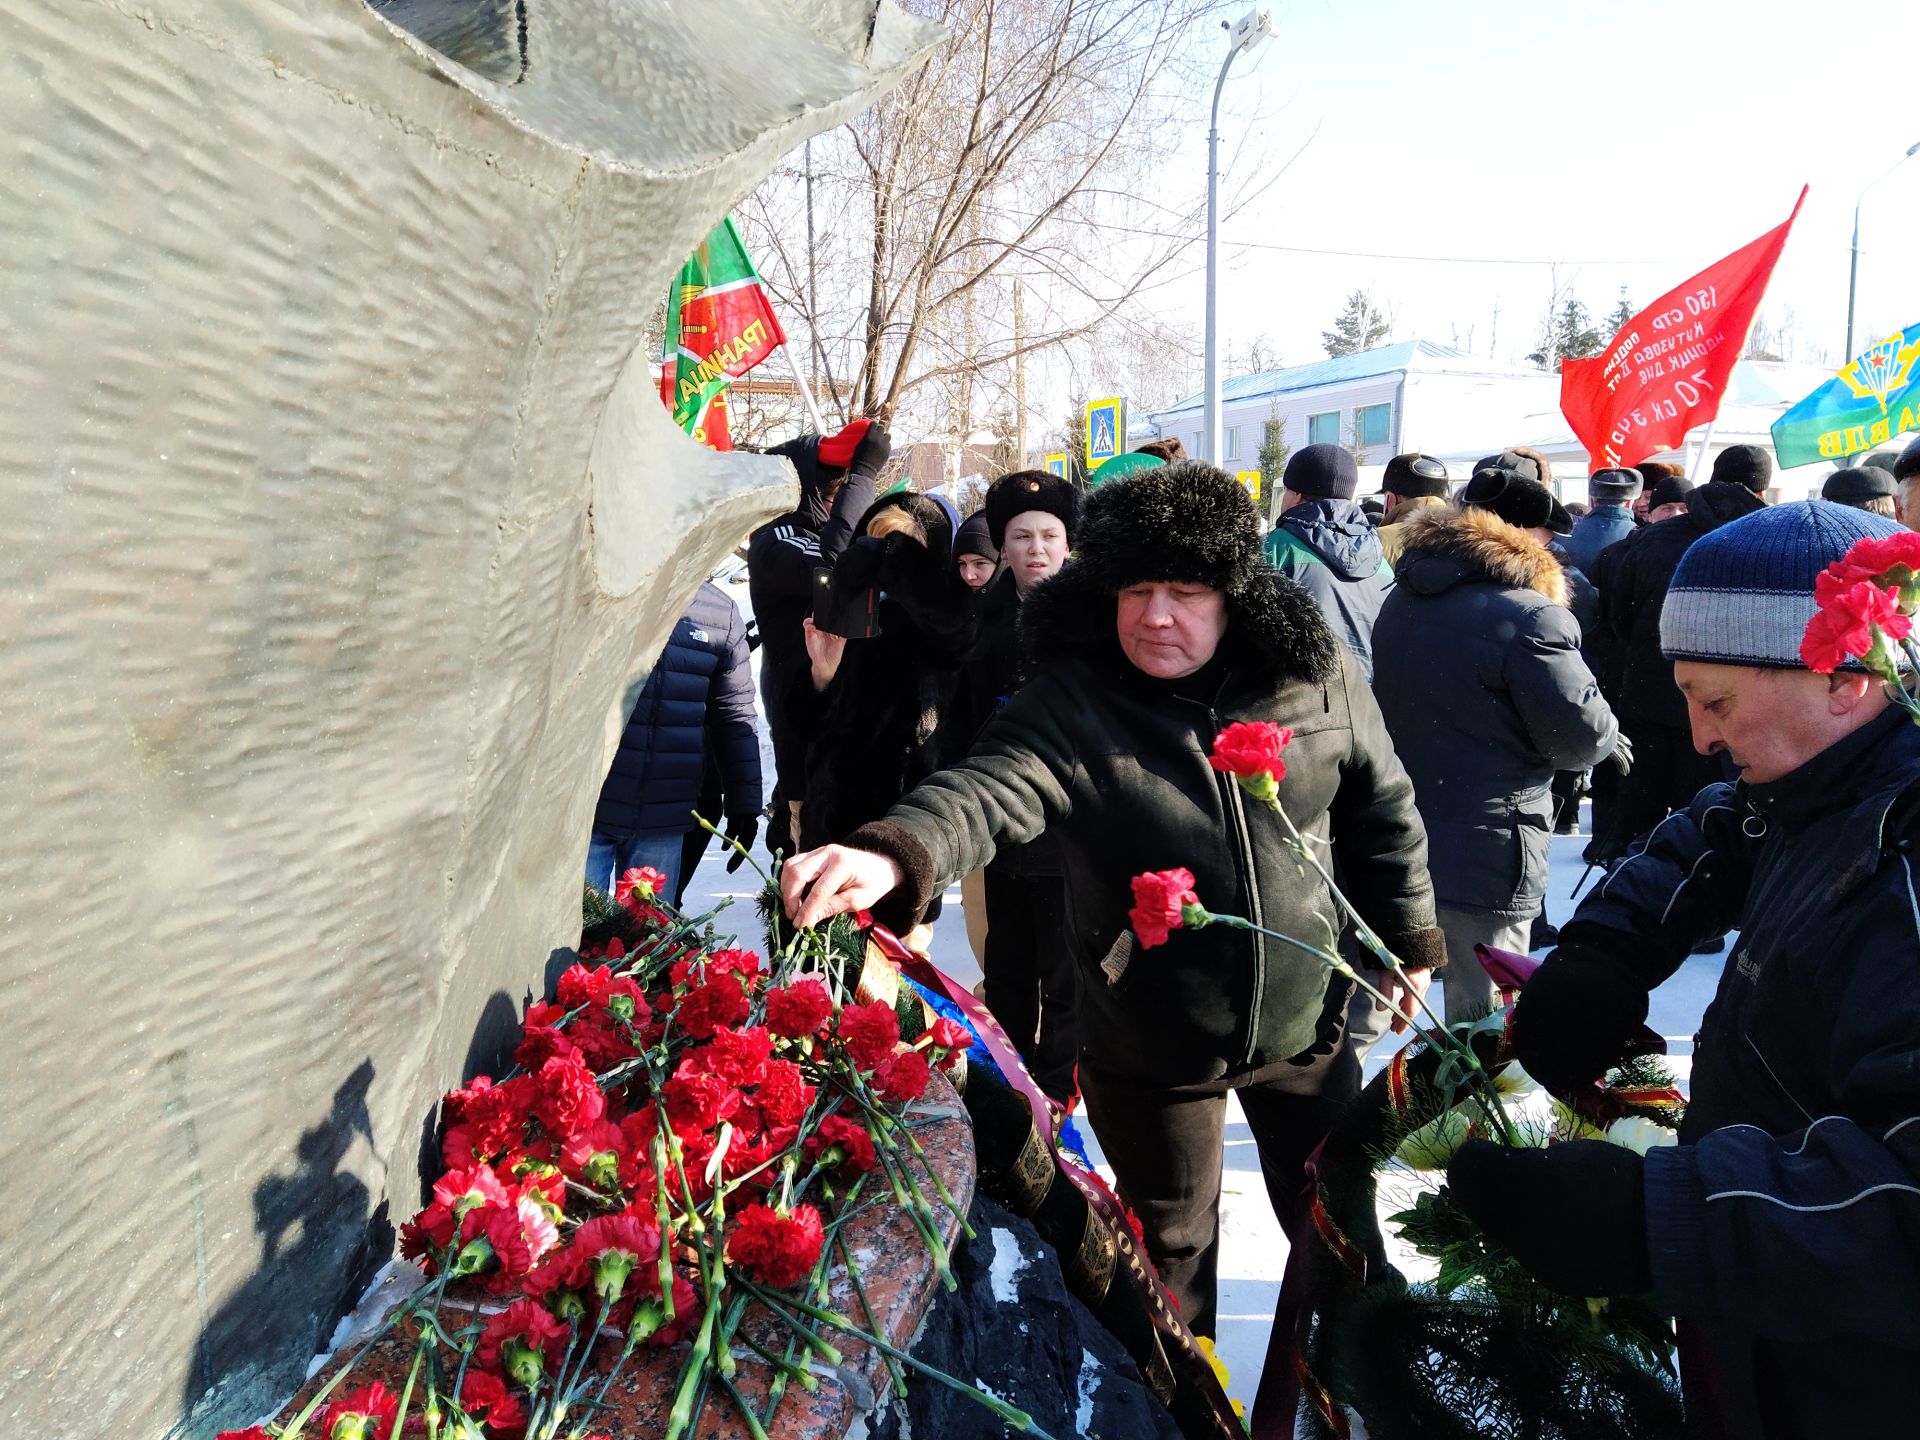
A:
1253,1251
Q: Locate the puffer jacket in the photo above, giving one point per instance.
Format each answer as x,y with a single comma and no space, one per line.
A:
699,693
1114,763
781,557
1478,673
1783,1228
1635,588
1603,526
1331,550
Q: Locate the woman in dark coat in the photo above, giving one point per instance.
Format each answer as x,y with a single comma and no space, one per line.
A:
1162,630
873,710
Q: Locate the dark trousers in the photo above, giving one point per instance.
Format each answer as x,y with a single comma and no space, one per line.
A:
1166,1146
1029,973
1667,773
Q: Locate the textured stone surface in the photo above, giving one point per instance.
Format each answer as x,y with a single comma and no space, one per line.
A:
1013,1329
338,513
897,1276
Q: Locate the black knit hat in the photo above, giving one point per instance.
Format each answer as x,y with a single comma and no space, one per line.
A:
1413,476
1672,490
1858,485
1186,522
1908,463
975,539
1023,490
1321,472
1614,487
1516,498
1747,465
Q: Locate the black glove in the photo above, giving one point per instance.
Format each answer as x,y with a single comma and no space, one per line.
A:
873,451
741,829
1622,756
1576,1019
1573,1214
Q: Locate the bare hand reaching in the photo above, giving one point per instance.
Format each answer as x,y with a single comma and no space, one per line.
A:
834,880
824,653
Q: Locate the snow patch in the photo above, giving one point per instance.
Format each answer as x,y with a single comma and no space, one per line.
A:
1004,1271
1089,1383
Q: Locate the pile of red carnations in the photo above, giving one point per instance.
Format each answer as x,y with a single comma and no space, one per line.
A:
682,1131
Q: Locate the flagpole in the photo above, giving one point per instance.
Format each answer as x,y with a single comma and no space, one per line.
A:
813,410
1706,442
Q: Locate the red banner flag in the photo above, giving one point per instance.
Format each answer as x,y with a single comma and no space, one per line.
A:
1667,369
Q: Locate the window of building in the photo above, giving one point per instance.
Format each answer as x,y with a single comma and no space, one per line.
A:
1233,442
1324,429
1374,424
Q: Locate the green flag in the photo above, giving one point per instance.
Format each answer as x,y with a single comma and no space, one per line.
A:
720,324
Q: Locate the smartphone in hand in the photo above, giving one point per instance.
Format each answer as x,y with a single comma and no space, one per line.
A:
853,616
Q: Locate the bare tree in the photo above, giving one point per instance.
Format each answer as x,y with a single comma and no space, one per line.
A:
1030,151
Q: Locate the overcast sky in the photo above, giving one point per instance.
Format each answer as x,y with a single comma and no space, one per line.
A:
1635,142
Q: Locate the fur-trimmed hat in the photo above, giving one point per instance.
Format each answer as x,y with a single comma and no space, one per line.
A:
1169,449
1521,460
1654,471
1019,491
1614,487
1186,522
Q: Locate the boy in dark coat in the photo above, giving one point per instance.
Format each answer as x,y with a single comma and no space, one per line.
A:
698,695
1324,543
1782,1229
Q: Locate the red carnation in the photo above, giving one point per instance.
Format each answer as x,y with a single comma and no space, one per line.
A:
613,1245
737,1056
642,884
1844,624
744,963
485,1398
850,1138
904,1076
777,1250
1249,750
1881,557
427,1234
697,1099
252,1432
950,1036
799,1009
568,1099
783,1094
596,1155
870,1032
364,1414
582,986
521,1329
1157,900
719,1000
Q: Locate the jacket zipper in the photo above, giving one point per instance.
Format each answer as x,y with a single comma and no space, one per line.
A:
1230,792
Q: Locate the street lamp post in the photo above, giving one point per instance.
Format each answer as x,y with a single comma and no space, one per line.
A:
1245,33
1853,273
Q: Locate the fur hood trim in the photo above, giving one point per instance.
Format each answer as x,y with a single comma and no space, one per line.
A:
1073,615
1481,540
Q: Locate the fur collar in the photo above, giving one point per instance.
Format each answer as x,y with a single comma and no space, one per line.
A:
1072,615
1480,540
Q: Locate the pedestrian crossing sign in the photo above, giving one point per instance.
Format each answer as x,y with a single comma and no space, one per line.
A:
1106,428
1251,479
1057,465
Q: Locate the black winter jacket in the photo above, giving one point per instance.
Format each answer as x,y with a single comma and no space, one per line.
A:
1479,676
781,556
1786,1225
1115,764
1634,588
873,734
699,693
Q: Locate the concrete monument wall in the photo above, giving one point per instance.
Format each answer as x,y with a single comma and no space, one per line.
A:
336,513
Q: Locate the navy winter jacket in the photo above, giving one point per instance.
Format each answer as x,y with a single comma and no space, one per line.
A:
1330,549
1785,1227
1594,531
699,693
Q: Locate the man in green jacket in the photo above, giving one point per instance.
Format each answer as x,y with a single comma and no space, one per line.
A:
1164,628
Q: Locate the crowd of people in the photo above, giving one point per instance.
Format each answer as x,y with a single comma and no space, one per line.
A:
1022,701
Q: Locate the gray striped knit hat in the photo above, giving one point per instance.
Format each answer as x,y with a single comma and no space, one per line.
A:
1743,593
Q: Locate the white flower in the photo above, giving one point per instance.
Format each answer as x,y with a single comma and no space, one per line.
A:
1432,1145
1639,1134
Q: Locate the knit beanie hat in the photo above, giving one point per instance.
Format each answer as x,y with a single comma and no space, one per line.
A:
1321,472
1023,490
1614,487
1859,485
1743,593
1414,476
1671,490
1908,463
1746,465
1186,523
975,539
